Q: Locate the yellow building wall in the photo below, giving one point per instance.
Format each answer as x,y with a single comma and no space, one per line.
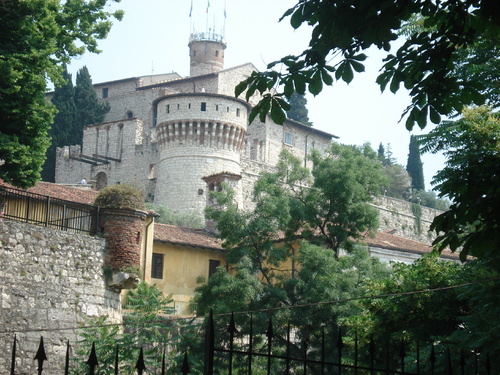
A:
182,266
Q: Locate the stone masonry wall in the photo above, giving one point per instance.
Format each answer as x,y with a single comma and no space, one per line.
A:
50,280
397,216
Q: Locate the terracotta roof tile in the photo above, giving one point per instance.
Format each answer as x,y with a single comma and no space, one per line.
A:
64,192
187,237
390,241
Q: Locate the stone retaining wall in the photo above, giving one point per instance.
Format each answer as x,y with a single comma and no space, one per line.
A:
50,280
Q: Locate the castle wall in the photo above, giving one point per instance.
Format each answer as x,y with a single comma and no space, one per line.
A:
404,219
50,280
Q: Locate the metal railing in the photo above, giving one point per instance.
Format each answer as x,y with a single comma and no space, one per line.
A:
49,212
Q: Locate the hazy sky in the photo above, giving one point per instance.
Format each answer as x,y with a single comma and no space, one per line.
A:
153,38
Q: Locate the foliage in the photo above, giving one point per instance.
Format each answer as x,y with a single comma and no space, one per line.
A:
88,109
429,199
414,165
144,328
167,216
120,196
458,318
61,130
397,181
298,109
471,179
426,63
36,38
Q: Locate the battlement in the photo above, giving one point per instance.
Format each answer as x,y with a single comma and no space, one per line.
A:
207,37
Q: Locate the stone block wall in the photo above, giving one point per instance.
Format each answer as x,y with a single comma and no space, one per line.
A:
50,280
398,216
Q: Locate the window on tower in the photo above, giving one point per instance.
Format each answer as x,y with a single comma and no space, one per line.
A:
203,106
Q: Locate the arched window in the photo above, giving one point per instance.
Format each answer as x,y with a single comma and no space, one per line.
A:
101,180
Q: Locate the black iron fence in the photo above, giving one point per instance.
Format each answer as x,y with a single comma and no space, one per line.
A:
280,350
50,212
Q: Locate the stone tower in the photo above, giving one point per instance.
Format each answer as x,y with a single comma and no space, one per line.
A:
206,52
198,135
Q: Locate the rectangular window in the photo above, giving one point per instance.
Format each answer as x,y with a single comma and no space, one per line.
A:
212,266
288,138
216,107
168,108
203,106
157,266
105,92
237,112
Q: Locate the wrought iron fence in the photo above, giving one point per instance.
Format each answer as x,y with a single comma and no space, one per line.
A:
230,351
50,212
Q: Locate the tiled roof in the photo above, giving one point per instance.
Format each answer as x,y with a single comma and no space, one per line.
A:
387,240
186,236
68,193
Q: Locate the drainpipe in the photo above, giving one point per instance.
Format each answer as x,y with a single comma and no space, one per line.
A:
146,248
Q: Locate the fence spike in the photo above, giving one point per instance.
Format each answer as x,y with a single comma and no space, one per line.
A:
448,367
250,346
92,361
232,326
402,354
462,361
140,365
270,335
163,364
13,361
432,359
116,360
270,330
40,355
185,365
66,365
209,345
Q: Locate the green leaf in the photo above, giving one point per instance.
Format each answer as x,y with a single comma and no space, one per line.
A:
240,87
348,74
297,19
327,78
358,67
300,84
277,113
316,84
434,115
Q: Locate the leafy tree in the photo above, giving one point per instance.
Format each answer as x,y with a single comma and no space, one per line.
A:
426,64
429,199
36,38
398,181
381,153
414,165
88,109
471,179
61,130
144,327
298,109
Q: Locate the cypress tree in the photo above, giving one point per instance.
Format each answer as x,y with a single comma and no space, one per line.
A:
62,128
298,110
88,109
415,166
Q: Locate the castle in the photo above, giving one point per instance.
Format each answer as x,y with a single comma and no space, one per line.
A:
178,138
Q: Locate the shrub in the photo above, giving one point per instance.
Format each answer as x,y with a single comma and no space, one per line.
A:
120,196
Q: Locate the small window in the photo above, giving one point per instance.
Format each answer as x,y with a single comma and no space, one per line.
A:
189,106
203,106
212,266
288,138
194,53
168,108
216,53
216,107
157,266
237,112
227,109
178,106
105,92
130,114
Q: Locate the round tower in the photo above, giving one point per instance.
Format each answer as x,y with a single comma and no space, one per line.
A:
206,53
199,135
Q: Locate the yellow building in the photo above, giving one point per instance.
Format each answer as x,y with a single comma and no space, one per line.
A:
178,258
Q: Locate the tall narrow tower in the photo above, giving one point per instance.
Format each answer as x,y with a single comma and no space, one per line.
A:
206,52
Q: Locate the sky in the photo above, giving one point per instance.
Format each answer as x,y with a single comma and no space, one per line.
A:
153,38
